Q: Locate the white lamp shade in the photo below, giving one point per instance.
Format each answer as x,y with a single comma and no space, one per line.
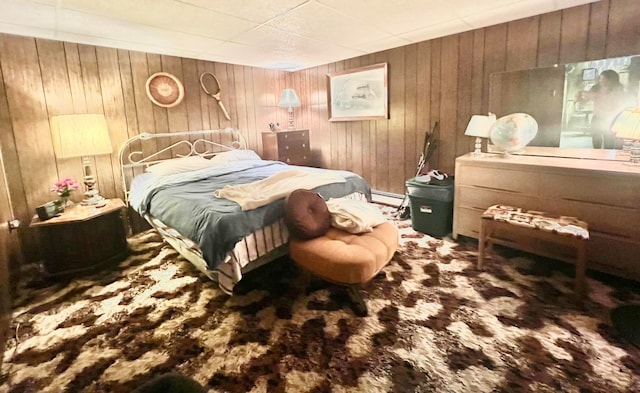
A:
480,125
289,99
80,135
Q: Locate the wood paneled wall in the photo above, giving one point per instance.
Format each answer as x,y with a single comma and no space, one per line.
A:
443,80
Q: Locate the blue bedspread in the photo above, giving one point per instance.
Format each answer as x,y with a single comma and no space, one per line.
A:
186,202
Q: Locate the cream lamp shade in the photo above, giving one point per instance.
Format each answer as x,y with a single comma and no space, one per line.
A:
480,127
80,135
289,99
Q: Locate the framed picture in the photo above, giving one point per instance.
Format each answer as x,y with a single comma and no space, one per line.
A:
358,94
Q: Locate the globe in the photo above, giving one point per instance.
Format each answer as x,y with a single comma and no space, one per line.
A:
512,132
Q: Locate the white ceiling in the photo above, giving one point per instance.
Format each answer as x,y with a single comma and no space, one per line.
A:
278,34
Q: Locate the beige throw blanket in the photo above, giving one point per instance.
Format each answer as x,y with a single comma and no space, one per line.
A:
262,192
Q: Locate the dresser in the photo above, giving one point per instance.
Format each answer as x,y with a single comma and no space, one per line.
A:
291,147
605,194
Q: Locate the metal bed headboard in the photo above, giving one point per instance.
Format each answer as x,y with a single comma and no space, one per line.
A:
132,154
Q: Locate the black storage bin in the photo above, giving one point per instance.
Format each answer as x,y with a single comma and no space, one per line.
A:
431,206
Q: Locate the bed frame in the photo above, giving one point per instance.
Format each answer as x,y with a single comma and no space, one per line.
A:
254,250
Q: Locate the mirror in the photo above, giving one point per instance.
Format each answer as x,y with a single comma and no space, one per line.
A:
563,99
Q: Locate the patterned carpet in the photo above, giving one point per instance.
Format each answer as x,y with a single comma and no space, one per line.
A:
435,324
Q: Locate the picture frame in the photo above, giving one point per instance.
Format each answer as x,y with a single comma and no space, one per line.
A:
358,94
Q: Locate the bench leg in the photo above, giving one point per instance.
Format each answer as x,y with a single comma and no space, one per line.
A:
580,285
357,302
482,241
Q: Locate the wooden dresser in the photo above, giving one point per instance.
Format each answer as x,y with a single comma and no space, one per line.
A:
291,147
605,194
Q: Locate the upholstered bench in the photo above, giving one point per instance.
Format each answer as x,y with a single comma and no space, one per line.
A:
524,228
333,254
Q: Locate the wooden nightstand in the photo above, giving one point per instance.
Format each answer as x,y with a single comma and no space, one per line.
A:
83,239
291,147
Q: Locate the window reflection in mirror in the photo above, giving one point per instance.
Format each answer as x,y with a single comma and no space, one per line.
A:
561,100
594,93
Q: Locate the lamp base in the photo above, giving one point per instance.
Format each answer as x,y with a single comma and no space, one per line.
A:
94,201
478,147
634,151
290,118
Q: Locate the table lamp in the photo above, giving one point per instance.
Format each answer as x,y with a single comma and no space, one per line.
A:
82,135
480,127
289,99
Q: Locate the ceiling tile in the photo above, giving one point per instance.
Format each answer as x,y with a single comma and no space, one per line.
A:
25,13
165,14
325,24
79,23
395,16
506,13
258,11
437,30
384,44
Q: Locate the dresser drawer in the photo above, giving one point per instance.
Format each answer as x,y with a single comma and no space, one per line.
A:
482,198
598,190
466,222
293,137
499,179
295,157
615,221
613,255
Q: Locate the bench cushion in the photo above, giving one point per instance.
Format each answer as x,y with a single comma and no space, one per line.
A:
345,258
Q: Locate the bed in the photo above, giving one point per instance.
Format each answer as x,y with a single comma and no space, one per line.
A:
171,180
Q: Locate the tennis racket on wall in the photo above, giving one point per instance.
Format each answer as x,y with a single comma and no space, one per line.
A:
211,87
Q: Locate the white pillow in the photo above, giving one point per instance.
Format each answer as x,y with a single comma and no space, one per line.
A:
178,165
234,155
353,215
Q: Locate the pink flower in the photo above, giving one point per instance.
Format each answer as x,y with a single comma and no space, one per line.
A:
65,186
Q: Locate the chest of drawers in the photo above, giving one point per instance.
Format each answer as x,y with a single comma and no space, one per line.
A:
291,147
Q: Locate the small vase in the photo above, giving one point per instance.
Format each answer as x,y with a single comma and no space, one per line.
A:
62,203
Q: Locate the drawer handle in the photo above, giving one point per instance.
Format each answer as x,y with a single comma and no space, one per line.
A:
595,203
286,136
304,145
287,147
288,160
498,189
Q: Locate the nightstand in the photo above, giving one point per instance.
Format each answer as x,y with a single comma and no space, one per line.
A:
291,147
83,239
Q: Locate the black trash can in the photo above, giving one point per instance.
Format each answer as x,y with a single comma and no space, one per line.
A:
431,206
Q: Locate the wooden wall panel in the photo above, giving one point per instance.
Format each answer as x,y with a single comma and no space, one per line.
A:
522,43
450,70
598,22
623,30
549,39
